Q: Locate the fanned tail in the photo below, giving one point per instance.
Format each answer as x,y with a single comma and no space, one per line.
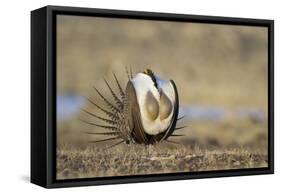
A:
113,128
131,72
105,133
128,74
122,94
117,100
178,128
109,104
108,113
101,118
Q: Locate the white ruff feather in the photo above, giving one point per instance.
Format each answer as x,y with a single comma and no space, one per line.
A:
142,84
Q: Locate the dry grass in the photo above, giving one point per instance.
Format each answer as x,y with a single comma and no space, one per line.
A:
163,158
206,146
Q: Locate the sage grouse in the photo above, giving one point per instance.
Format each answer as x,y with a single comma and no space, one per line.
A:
146,112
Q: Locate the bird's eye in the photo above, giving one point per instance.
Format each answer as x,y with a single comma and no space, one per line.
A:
165,106
151,106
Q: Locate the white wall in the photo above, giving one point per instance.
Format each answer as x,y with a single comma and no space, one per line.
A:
15,94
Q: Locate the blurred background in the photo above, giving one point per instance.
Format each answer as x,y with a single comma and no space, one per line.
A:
220,72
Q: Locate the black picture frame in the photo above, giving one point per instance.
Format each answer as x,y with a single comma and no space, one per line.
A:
43,95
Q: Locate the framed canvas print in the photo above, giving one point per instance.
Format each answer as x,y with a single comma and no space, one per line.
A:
126,96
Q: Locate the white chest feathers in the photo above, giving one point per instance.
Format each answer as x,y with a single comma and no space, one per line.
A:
156,105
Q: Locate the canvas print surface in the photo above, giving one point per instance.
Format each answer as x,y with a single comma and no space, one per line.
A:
138,97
